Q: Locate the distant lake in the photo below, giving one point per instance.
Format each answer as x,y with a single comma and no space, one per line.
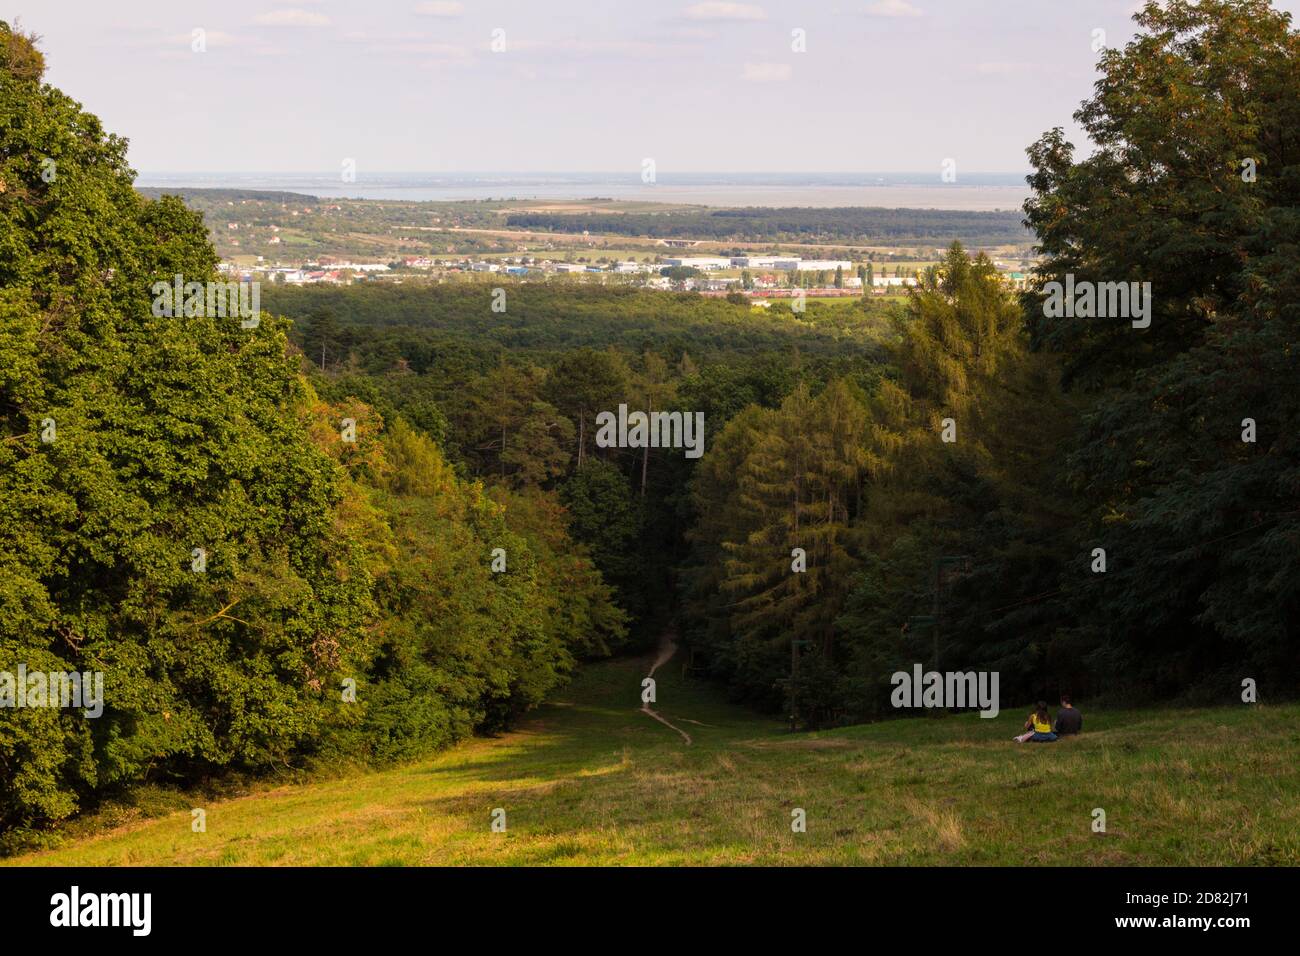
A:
974,191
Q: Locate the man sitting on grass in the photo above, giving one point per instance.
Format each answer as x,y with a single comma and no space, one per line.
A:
1068,720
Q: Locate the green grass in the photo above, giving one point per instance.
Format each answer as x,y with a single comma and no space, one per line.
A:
590,780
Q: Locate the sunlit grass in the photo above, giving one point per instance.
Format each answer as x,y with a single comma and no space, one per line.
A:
590,780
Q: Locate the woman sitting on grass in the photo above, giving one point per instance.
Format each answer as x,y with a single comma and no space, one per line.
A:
1038,728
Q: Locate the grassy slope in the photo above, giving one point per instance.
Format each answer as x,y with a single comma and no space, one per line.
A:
592,781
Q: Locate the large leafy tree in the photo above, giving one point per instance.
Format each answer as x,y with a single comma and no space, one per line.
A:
181,511
1194,187
127,441
1194,128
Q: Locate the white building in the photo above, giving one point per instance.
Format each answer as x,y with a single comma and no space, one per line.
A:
703,263
360,266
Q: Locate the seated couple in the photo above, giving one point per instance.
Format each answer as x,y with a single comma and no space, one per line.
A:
1039,729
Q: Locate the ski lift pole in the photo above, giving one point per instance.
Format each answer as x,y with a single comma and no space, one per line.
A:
932,622
794,682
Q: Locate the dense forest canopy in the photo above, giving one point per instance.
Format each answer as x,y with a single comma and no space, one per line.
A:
184,515
374,320
1079,503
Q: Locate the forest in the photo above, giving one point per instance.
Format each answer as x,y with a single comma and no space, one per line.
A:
849,224
379,522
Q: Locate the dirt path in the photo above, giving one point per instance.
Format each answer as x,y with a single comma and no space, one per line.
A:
667,648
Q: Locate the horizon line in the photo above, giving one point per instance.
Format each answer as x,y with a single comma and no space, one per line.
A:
579,172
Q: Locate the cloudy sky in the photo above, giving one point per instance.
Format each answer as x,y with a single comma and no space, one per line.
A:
581,85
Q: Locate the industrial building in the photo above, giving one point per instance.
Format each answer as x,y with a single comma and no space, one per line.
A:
703,263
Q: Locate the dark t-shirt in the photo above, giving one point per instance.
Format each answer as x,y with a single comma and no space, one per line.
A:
1068,721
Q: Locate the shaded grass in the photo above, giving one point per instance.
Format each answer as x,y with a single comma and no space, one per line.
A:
591,781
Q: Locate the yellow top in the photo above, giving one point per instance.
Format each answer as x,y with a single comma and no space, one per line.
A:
1041,726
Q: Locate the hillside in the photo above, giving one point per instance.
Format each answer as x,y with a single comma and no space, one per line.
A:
591,780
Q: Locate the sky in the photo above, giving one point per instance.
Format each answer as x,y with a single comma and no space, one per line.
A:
597,85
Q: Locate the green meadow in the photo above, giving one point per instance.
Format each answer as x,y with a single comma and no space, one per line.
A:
591,780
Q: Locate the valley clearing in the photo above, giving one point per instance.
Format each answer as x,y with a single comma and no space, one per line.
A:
589,780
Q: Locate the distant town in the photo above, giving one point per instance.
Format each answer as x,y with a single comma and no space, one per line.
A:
759,277
761,255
